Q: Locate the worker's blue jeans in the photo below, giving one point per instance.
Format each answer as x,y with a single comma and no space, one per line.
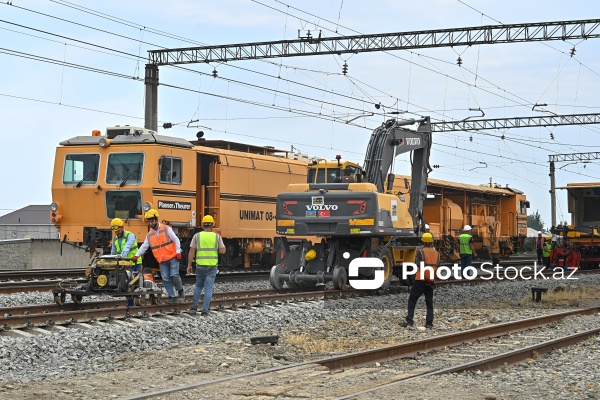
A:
168,270
466,260
205,279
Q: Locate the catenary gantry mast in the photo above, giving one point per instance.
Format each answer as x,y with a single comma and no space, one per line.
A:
573,157
489,34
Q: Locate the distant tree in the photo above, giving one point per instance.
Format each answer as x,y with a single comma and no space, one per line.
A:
535,221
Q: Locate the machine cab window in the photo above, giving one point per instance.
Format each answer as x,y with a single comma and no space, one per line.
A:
523,206
124,204
124,169
81,169
170,170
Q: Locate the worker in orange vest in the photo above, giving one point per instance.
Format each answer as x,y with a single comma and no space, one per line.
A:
423,283
166,248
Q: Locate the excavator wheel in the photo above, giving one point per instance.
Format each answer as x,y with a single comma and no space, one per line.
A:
339,278
276,282
384,254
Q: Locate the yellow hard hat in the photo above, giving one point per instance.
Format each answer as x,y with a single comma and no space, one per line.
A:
208,220
310,255
548,237
116,224
151,213
427,238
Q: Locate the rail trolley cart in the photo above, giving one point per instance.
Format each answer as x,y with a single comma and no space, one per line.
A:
113,276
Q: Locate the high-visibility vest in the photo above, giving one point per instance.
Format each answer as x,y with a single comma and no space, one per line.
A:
463,241
120,244
546,249
162,246
431,258
207,249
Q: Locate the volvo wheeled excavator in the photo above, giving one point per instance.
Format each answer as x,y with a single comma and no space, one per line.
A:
356,216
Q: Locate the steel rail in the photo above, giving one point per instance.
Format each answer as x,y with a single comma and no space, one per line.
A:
22,285
366,357
492,362
363,358
72,316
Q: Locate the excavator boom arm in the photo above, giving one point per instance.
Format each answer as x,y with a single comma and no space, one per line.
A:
392,139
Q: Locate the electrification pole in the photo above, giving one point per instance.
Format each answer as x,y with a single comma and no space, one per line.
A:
552,158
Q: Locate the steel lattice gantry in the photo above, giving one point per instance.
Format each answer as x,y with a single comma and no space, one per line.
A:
526,122
490,34
310,46
574,157
518,122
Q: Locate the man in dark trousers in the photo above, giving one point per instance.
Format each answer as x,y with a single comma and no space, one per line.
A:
423,283
539,247
466,249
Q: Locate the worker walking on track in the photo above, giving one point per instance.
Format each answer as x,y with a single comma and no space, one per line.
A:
167,250
124,244
424,282
205,248
466,249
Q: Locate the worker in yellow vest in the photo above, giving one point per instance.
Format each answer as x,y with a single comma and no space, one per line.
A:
205,248
466,249
546,251
124,244
424,282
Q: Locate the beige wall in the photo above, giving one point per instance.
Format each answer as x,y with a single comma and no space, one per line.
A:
40,253
8,232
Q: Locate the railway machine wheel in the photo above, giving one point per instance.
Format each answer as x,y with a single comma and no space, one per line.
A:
339,278
59,298
155,299
274,278
140,300
77,298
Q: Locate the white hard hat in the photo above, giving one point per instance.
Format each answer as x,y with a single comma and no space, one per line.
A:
426,226
467,228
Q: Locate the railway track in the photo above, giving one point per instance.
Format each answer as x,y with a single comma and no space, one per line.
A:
41,280
50,315
69,314
480,349
44,282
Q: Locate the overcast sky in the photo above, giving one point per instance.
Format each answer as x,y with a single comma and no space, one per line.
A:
266,102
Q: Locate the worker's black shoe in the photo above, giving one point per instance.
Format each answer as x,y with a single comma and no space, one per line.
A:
429,327
204,313
180,296
171,300
405,325
192,311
